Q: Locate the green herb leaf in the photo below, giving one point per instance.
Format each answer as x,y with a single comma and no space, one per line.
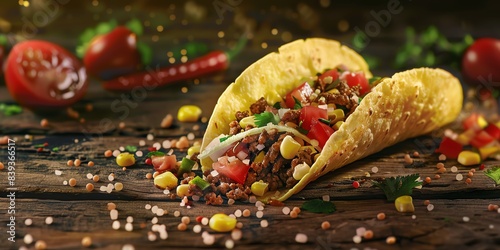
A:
3,39
277,105
319,206
135,26
494,174
10,110
332,85
266,117
55,149
154,153
298,104
146,53
131,149
224,138
39,145
325,121
395,187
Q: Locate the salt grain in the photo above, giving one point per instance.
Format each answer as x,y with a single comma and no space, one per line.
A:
285,210
264,223
115,225
301,238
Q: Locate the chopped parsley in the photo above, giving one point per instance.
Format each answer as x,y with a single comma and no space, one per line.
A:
277,105
494,174
9,110
298,104
154,153
130,148
222,139
319,206
395,187
55,149
266,117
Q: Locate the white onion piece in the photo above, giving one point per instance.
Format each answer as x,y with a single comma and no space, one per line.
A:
260,147
281,112
241,155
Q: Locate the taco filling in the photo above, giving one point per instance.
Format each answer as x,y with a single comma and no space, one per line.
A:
271,146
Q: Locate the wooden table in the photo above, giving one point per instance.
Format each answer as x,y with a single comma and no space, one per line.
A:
460,218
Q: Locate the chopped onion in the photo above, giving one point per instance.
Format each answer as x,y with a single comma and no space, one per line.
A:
214,173
246,161
231,158
241,155
260,147
323,106
281,112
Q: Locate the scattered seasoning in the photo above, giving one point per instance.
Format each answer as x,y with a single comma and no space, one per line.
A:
116,152
130,219
470,174
72,182
129,227
468,181
381,216
360,231
118,186
65,183
237,213
167,121
113,214
182,227
151,236
110,206
78,162
428,180
301,238
89,176
325,225
259,214
459,177
440,165
416,154
430,207
368,234
3,166
264,223
229,244
90,164
285,210
69,163
177,213
293,214
115,225
49,220
111,177
44,123
492,207
356,239
89,187
466,219
442,157
413,216
236,234
95,178
128,247
40,245
246,213
185,220
28,222
374,170
437,177
209,240
408,159
390,240
229,201
204,221
58,172
28,239
427,202
86,241
454,169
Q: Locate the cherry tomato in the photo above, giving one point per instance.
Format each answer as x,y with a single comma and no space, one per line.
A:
481,63
236,170
493,130
320,132
481,139
164,163
333,73
301,93
450,148
112,54
41,75
309,115
357,79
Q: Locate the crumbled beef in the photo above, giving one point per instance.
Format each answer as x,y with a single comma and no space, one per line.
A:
213,199
259,106
241,114
291,116
344,97
234,128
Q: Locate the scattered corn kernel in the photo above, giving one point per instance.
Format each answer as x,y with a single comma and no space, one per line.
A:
300,171
404,204
189,113
193,150
488,150
468,158
182,190
260,157
222,223
166,180
125,159
336,115
259,188
289,147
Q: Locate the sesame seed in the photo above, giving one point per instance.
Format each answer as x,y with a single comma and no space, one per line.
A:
264,223
260,208
356,239
154,220
65,183
154,209
149,176
116,225
89,176
285,210
139,153
150,137
296,209
157,145
116,152
239,224
293,214
259,204
416,154
427,202
111,177
111,206
252,199
492,226
160,212
301,238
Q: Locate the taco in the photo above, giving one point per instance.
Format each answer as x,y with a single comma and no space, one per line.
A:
308,109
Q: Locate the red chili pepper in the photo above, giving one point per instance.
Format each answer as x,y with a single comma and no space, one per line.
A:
212,62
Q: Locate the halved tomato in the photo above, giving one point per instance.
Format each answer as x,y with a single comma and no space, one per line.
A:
236,170
301,93
320,132
41,74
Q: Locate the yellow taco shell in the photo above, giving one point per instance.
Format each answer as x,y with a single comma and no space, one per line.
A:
408,104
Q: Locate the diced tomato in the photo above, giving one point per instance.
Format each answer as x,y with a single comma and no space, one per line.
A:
309,115
164,163
301,93
320,132
450,148
481,139
236,170
474,121
236,149
493,130
333,73
357,79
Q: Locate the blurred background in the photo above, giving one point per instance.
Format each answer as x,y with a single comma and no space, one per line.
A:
393,35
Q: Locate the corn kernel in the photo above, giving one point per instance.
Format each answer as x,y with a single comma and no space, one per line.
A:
249,120
465,137
182,190
300,171
488,150
468,158
289,147
482,122
337,125
222,223
336,115
259,188
166,180
189,113
125,159
404,204
193,150
260,157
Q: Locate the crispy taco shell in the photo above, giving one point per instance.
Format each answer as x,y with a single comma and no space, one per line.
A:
408,104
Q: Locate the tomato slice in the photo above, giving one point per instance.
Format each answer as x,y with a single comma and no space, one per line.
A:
493,130
41,74
481,139
301,93
357,79
236,170
309,115
333,73
320,132
164,163
450,148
